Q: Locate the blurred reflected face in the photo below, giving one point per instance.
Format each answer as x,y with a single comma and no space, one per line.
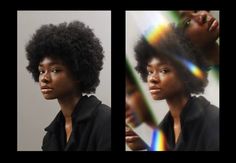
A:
135,105
200,27
162,79
55,79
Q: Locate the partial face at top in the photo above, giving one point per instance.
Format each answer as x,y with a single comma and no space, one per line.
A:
200,27
162,79
55,79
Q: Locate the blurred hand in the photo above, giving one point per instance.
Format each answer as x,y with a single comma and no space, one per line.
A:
133,140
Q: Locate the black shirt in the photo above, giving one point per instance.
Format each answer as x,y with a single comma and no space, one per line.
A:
91,128
199,127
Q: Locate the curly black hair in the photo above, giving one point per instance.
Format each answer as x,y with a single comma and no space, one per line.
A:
173,47
75,45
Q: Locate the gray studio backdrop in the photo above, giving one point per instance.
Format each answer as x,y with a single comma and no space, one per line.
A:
34,113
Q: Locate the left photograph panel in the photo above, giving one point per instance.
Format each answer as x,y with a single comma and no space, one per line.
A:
64,80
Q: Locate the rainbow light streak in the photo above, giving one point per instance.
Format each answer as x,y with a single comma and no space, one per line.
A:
158,141
154,34
158,25
193,68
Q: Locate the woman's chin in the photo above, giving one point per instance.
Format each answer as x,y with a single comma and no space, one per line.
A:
47,97
156,97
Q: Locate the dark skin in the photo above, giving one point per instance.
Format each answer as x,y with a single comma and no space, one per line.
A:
133,140
136,108
203,31
161,77
164,83
136,113
57,82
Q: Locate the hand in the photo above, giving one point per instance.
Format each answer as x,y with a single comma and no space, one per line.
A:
133,140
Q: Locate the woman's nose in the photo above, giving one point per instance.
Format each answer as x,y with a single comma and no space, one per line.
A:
201,17
45,78
155,78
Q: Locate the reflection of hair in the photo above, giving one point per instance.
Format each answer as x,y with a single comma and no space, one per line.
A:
171,47
75,45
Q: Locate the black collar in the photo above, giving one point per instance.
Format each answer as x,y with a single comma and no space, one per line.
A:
83,111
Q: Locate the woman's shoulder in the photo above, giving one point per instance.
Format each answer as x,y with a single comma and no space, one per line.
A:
102,127
103,113
210,111
210,125
99,109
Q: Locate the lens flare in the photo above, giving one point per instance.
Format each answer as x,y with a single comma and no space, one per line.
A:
196,71
158,141
154,34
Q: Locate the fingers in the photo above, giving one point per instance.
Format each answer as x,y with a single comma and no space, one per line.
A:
129,132
131,139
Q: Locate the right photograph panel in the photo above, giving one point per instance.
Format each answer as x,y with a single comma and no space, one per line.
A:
172,80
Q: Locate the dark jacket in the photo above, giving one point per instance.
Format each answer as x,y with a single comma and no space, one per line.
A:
199,127
91,122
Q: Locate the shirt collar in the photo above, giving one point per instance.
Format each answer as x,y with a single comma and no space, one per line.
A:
83,111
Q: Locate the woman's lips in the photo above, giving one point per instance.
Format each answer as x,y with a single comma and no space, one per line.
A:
213,26
46,90
154,91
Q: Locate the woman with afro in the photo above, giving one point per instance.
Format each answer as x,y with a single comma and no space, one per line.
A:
66,61
192,123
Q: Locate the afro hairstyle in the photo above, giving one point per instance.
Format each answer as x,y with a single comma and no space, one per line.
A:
172,47
75,45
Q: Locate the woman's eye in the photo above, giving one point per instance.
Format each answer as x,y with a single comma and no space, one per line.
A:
164,71
150,72
55,70
41,71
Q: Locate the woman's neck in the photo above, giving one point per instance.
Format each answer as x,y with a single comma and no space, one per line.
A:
176,105
68,104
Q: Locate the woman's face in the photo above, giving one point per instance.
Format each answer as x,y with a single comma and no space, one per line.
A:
200,27
135,105
55,79
162,79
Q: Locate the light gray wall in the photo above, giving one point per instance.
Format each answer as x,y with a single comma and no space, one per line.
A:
34,113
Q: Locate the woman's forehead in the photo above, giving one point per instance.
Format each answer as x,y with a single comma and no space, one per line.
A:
50,61
158,61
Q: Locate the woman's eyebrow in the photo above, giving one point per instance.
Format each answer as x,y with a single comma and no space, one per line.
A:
51,64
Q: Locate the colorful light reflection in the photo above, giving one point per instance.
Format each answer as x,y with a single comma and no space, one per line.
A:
196,71
158,141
